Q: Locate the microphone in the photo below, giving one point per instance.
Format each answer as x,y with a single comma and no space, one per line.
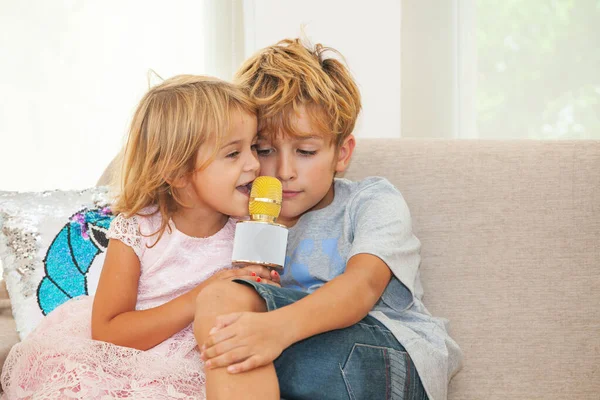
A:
261,240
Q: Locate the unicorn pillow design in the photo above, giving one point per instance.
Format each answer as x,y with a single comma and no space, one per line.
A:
70,258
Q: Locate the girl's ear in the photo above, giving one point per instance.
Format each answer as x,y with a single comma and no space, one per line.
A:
345,153
179,182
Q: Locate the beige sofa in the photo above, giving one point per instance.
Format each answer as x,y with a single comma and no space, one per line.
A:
511,255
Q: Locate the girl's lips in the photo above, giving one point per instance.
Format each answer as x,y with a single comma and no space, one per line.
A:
287,194
245,189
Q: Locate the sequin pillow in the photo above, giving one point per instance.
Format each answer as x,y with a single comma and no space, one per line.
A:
52,248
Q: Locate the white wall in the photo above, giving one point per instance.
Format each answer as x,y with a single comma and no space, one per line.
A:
367,33
71,73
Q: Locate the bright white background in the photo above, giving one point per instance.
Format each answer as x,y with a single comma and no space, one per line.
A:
72,71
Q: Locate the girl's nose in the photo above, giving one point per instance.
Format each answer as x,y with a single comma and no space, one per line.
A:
252,165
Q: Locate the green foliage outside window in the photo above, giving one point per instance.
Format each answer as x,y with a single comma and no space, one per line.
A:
538,65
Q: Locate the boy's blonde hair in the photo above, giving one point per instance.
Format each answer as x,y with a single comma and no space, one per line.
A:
288,75
170,125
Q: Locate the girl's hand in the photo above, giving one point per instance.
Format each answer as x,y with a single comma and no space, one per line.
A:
244,341
254,272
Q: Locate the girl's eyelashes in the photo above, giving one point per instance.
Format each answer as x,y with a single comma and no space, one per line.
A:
236,153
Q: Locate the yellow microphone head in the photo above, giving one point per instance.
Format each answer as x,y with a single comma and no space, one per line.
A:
265,198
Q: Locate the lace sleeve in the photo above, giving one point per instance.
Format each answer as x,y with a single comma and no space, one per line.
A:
127,230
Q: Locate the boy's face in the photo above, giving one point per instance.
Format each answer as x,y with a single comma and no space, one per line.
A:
305,166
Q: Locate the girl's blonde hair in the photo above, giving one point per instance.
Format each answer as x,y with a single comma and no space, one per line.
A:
170,125
283,77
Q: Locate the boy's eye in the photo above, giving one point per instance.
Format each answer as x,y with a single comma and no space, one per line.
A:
307,152
264,151
233,154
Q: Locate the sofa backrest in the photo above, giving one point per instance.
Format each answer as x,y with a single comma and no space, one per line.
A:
510,234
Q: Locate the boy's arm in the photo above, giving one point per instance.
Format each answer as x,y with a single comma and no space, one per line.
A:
383,245
339,303
383,226
244,341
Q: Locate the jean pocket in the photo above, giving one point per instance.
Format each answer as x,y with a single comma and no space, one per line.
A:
374,372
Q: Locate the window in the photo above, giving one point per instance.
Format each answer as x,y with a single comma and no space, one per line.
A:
501,69
538,69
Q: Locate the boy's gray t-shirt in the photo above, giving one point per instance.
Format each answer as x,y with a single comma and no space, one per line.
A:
372,217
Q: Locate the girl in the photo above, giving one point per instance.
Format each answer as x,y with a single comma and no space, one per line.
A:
188,163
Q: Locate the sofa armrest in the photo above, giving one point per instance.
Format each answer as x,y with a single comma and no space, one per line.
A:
8,329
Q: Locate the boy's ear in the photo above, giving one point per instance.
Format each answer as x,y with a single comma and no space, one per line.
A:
345,153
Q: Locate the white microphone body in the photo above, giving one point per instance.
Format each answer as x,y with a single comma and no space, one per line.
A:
259,242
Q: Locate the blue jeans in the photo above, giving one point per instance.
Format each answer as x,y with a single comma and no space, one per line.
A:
363,361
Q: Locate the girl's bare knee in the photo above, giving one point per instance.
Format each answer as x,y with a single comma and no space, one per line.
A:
226,296
220,298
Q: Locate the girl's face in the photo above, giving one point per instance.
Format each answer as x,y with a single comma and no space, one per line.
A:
224,185
305,166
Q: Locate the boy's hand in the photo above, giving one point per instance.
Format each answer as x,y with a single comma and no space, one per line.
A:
244,341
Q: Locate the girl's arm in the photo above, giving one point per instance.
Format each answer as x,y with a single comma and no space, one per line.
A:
114,318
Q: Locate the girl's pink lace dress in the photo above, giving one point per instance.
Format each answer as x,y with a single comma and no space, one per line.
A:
60,360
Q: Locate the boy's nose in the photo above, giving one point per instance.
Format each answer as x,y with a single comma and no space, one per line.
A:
285,169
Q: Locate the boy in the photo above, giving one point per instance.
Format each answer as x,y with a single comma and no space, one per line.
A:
348,321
